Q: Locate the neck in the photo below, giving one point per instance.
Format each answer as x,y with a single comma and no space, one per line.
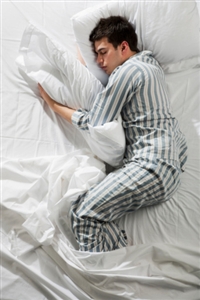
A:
132,53
129,55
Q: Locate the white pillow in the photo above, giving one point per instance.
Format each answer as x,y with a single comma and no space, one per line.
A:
67,81
46,61
168,29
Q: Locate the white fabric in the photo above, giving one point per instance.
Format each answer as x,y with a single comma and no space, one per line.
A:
169,30
67,81
59,179
162,260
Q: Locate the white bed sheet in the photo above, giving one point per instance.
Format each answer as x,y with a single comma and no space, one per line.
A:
163,259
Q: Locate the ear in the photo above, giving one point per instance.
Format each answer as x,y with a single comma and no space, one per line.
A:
124,47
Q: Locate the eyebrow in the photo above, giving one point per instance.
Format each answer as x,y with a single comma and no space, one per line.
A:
97,51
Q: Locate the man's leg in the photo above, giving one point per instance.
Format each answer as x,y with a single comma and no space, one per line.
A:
122,191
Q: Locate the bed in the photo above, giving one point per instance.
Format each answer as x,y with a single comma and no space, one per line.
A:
46,163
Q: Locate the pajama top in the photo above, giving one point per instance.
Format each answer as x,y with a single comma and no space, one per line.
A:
137,90
154,157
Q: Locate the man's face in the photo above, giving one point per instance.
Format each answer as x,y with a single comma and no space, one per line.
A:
107,57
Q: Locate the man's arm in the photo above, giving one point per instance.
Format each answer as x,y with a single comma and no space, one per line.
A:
108,104
58,108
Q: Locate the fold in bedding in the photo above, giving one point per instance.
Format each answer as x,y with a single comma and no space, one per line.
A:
67,81
43,171
59,180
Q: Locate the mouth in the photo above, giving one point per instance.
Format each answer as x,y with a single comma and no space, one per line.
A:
104,69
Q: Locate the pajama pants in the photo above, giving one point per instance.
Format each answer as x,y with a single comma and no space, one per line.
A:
137,184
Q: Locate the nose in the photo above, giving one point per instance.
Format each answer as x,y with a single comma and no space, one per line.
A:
99,59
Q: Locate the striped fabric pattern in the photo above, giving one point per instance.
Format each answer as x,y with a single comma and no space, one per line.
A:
155,153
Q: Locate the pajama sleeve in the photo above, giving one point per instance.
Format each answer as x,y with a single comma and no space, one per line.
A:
108,104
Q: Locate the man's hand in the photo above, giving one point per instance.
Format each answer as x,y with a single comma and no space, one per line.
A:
44,94
58,108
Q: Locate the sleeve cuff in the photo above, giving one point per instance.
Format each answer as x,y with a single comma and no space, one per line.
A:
76,117
79,119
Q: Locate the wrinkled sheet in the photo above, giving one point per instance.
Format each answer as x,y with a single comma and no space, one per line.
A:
65,79
46,163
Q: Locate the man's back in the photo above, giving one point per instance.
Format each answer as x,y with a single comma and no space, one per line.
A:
152,133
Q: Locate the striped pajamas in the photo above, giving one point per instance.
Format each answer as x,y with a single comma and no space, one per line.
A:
154,157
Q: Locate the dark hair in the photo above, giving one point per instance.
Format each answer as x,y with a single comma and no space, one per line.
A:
117,29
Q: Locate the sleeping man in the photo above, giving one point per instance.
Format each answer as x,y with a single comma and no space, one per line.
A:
155,153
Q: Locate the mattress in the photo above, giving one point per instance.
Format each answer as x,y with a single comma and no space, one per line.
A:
46,163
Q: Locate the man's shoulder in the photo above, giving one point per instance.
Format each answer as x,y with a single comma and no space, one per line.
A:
146,59
129,66
135,66
126,76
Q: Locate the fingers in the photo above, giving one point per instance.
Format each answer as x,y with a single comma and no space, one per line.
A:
43,93
41,90
40,87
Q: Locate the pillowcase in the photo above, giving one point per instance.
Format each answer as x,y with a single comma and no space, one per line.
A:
168,29
70,83
46,61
